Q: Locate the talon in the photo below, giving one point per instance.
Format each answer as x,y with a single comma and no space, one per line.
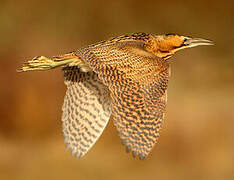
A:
37,63
40,63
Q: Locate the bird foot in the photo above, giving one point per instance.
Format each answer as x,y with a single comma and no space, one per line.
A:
41,63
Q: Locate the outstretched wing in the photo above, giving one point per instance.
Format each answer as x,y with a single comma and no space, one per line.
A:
137,80
86,109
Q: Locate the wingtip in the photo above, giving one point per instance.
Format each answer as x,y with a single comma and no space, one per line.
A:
78,155
74,151
142,157
128,149
134,153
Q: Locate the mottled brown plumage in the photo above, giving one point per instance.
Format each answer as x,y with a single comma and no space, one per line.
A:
125,77
86,109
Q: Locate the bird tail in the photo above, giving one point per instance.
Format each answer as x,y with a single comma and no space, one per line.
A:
41,63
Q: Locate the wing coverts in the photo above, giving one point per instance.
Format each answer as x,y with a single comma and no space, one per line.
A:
137,81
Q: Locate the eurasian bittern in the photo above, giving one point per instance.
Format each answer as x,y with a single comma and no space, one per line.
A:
125,77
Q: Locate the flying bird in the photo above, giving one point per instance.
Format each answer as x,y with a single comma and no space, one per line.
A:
124,78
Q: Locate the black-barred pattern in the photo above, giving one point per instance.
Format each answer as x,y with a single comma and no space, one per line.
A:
86,110
137,80
127,75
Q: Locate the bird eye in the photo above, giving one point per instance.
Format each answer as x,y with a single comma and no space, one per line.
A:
184,42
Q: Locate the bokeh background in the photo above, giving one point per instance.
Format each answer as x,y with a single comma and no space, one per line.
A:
197,139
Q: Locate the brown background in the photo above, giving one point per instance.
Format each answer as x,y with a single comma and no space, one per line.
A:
197,139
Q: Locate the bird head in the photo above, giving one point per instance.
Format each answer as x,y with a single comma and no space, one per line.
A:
164,46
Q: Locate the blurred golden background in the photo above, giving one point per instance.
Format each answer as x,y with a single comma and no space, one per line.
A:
197,139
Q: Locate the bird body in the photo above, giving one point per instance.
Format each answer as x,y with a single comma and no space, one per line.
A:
126,78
